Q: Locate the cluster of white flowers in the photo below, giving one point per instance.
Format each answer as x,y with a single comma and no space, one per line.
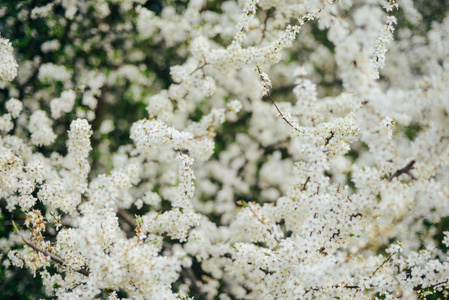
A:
49,72
14,107
265,82
186,175
258,149
64,104
41,130
8,64
78,147
235,106
385,38
6,123
155,134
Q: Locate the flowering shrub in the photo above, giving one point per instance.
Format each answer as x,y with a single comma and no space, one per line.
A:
247,149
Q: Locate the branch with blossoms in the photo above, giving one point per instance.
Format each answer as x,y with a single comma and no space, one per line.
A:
245,205
404,170
128,130
266,84
186,272
55,258
423,292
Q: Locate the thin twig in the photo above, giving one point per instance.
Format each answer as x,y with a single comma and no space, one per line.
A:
282,115
326,142
198,68
128,219
377,269
267,16
53,257
186,271
196,289
266,226
274,103
404,170
384,262
433,286
305,183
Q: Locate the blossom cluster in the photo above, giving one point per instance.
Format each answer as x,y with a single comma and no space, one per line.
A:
8,67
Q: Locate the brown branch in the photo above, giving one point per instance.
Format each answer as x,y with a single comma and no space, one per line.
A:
351,287
377,269
355,216
305,183
266,226
328,139
404,170
335,235
274,103
187,272
267,16
384,262
433,286
280,113
128,219
289,87
53,257
200,67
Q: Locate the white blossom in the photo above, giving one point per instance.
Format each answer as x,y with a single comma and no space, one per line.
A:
14,107
8,64
254,149
63,104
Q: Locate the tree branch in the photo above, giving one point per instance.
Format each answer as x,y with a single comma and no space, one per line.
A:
127,218
383,263
266,226
53,257
404,170
432,286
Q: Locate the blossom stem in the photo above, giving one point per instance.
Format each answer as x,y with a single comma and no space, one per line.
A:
53,257
383,263
261,221
404,170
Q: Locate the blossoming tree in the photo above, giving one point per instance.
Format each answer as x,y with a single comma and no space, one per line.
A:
212,149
